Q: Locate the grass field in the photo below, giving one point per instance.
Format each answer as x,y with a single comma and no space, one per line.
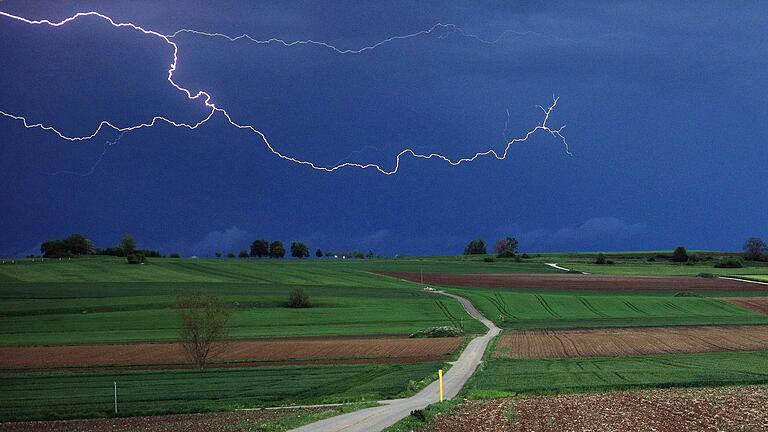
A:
90,394
504,377
95,300
527,310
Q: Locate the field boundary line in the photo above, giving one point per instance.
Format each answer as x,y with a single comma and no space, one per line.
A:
557,266
743,280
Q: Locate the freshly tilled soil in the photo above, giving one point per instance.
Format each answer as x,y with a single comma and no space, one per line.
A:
236,353
580,282
240,421
631,341
726,409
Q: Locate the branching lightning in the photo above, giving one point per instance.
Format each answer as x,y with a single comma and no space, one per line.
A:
213,109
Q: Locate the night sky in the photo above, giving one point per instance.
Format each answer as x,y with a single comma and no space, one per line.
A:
665,107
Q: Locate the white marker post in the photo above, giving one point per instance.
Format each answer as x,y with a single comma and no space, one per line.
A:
115,397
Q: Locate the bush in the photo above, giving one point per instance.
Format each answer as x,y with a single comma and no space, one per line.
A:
176,255
652,259
680,255
436,332
525,255
600,259
489,259
686,294
729,263
706,275
135,259
299,299
610,262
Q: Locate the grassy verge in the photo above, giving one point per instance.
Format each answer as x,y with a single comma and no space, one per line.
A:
284,424
90,394
424,417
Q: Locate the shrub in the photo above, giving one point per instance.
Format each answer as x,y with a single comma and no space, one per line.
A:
680,254
436,332
652,259
600,259
729,263
176,255
525,255
299,299
135,258
489,259
686,294
706,275
610,262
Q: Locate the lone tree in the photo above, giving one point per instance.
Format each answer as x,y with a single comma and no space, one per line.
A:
680,255
319,253
204,327
600,259
128,244
755,249
299,250
475,247
243,254
276,249
260,248
506,247
299,299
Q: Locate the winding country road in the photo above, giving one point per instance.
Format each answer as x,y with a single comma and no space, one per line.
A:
391,411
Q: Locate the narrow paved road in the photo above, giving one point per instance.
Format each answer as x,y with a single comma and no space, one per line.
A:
377,418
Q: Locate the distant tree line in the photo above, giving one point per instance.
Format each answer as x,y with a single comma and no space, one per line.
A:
504,248
78,245
275,249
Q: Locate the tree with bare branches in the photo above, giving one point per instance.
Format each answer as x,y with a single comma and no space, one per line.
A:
204,327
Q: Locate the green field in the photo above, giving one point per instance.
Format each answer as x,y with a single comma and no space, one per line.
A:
529,310
97,299
90,394
500,377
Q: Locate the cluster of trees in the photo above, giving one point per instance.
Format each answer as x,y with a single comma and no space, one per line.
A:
275,249
504,248
755,249
78,245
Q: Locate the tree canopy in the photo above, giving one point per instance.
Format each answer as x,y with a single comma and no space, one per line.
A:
475,247
276,249
299,250
260,248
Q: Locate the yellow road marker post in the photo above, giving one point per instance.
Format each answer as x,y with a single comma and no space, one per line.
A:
440,378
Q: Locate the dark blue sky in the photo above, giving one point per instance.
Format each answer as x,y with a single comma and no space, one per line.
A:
665,110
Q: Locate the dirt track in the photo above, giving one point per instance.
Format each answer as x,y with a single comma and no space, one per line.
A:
580,282
284,351
757,304
631,341
672,410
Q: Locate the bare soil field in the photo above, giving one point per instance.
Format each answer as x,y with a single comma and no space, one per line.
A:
240,421
631,341
237,353
757,304
580,282
669,410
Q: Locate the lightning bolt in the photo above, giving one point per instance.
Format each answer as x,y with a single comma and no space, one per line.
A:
213,109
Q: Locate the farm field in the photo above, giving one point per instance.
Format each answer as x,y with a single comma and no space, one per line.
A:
525,309
630,341
236,421
90,394
699,409
544,376
757,304
241,352
580,282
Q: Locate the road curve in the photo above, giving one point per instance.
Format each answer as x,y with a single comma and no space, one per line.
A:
391,411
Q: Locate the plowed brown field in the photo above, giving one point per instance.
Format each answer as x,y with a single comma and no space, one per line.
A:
240,421
580,282
671,410
631,341
331,350
757,304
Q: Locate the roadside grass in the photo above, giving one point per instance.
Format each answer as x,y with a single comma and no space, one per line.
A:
292,422
425,416
758,278
65,395
507,377
533,310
